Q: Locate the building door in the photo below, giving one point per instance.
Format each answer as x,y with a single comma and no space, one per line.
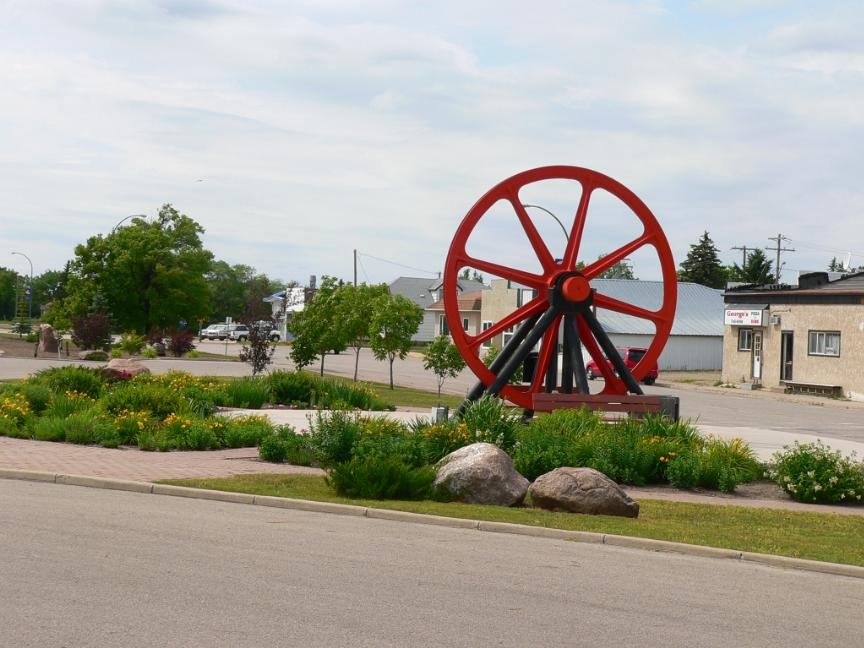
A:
786,355
757,355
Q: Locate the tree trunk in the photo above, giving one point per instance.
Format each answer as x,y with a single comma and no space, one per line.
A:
391,371
356,361
322,363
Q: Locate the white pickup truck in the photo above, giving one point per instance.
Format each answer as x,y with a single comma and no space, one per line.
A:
240,332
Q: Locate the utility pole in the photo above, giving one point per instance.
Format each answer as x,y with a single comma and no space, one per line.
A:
743,249
779,239
355,268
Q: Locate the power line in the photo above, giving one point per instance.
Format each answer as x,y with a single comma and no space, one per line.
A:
744,249
401,265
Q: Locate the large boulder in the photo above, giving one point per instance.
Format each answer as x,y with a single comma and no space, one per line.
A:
123,369
581,490
480,473
47,339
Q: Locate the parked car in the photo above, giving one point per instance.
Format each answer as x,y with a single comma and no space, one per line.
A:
214,332
631,357
238,332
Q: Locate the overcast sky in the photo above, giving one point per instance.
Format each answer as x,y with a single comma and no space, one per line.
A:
295,132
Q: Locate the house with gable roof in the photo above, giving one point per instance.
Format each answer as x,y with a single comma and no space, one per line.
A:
426,292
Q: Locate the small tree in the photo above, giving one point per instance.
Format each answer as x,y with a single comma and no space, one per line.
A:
620,270
443,359
258,350
394,320
318,329
757,269
353,307
91,331
702,265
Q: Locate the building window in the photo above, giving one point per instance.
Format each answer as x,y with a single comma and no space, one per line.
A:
465,324
485,325
745,339
507,336
824,343
442,325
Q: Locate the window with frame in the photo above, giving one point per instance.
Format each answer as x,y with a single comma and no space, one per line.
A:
823,343
465,324
485,325
745,339
507,336
442,325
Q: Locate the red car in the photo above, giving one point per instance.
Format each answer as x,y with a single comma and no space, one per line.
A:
631,357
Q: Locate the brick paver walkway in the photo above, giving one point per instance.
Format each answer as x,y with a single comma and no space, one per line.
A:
133,464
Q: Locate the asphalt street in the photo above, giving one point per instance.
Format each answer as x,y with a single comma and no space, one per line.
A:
95,568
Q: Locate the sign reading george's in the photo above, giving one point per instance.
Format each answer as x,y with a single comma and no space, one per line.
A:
740,317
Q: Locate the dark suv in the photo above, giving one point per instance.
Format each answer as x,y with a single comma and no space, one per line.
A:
631,357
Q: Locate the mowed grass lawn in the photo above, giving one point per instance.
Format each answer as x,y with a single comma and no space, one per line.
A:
814,536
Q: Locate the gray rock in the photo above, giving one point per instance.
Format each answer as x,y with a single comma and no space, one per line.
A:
123,368
581,490
47,339
480,473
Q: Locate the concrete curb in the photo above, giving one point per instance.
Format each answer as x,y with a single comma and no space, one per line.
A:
644,544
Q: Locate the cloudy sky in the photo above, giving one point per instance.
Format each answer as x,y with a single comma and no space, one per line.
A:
295,132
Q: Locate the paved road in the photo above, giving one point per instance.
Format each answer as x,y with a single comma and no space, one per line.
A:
91,568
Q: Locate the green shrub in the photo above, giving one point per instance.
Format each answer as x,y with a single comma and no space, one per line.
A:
146,440
116,353
68,403
812,472
186,432
337,394
549,440
332,436
388,438
491,421
725,464
381,478
194,353
132,343
87,428
273,449
9,427
441,439
38,396
129,424
149,352
49,428
139,395
241,431
86,380
248,392
293,387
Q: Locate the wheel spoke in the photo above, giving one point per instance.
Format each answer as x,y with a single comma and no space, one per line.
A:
594,350
519,276
550,346
604,263
537,242
575,239
610,303
536,305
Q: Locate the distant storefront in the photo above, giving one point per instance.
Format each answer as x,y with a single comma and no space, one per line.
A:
806,338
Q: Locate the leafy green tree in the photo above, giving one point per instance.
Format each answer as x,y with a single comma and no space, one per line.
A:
151,273
7,293
48,287
757,269
620,270
238,292
443,359
354,306
317,329
394,320
702,264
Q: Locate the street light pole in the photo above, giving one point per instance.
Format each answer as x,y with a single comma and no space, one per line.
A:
123,220
30,300
557,220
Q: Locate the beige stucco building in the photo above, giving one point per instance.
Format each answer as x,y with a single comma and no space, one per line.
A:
804,338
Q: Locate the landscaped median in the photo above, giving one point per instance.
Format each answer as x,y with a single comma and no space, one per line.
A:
812,536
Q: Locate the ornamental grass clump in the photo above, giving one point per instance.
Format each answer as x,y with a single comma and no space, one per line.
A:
285,445
491,421
812,472
141,394
72,378
14,407
549,440
68,403
385,438
375,477
247,393
332,436
718,464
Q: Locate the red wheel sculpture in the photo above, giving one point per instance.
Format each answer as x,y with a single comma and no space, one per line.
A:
563,297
